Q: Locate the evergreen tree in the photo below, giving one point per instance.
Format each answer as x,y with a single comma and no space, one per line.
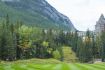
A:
103,46
88,47
74,41
98,47
7,42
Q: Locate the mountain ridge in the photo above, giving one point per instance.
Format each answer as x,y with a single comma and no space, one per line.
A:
41,9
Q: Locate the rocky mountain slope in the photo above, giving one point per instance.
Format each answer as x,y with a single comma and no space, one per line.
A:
35,12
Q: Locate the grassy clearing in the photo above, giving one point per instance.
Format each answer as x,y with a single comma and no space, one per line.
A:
44,65
69,55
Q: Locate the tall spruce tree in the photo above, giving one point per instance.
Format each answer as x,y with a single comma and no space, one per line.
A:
88,47
75,40
103,46
7,41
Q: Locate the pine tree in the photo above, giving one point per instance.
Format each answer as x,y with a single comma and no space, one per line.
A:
8,51
74,43
88,47
103,46
98,47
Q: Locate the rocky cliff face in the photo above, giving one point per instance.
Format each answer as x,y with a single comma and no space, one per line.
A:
41,7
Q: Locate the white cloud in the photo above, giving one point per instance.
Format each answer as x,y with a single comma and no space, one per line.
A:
83,13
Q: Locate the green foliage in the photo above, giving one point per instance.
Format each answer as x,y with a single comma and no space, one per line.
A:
19,41
56,54
7,43
86,48
74,41
103,46
98,47
46,44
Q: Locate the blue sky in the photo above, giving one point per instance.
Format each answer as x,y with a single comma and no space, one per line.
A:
82,13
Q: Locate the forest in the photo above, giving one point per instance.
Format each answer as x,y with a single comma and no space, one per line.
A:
19,41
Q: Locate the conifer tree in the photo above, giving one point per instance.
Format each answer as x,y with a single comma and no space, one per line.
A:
103,46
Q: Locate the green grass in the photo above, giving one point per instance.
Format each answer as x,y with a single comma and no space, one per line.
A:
69,55
62,66
50,64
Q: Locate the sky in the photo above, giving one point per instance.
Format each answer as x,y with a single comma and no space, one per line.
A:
82,13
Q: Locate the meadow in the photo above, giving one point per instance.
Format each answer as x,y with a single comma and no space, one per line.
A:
45,65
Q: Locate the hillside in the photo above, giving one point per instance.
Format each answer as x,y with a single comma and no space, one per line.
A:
35,13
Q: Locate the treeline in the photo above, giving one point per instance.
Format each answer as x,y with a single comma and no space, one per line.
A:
90,47
18,41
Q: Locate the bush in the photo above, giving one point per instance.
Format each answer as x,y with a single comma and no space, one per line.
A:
56,54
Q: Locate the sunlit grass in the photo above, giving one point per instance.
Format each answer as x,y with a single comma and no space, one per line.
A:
59,66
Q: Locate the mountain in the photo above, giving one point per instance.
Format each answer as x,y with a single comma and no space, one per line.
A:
35,13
